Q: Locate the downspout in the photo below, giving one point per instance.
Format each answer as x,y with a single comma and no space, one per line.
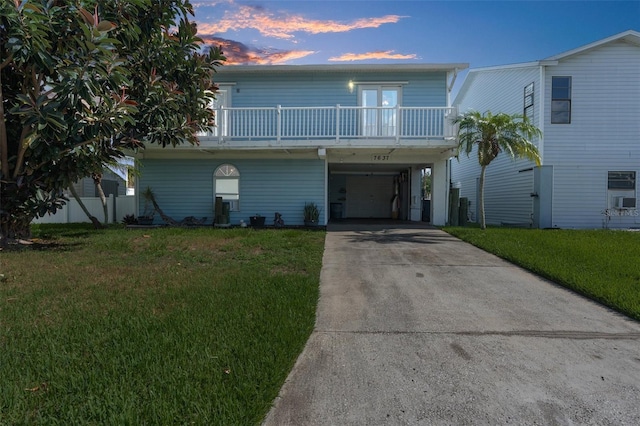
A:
541,121
327,205
322,154
542,90
447,176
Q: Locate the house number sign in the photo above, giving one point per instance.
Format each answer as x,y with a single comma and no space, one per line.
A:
380,157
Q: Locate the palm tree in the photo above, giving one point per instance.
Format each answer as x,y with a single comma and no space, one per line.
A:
493,134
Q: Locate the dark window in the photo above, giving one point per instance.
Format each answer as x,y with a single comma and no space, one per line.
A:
528,101
622,180
560,100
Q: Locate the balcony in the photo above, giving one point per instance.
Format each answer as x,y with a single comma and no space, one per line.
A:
331,126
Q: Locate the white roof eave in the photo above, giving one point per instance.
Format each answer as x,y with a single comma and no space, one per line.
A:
629,36
381,68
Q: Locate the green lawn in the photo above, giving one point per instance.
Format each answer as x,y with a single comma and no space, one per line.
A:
601,264
159,326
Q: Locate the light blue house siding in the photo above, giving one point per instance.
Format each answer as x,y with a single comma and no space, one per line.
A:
328,88
249,89
184,187
300,134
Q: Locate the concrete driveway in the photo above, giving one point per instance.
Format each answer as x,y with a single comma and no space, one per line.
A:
415,327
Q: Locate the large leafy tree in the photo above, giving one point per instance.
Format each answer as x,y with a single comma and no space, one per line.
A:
492,134
83,81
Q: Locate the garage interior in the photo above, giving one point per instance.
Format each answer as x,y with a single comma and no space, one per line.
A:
371,191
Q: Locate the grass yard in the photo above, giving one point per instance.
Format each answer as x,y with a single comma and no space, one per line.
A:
159,326
601,264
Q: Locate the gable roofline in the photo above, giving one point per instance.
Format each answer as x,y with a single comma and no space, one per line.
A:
630,36
381,68
506,67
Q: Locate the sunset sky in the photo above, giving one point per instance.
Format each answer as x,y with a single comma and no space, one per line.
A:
482,33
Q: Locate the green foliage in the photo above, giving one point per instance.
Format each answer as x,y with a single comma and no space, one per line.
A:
311,212
172,326
427,182
492,134
603,265
82,83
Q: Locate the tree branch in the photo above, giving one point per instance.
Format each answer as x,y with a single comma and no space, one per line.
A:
4,147
22,149
6,61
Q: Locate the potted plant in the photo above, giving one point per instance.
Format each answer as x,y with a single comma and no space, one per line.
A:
149,210
311,214
257,220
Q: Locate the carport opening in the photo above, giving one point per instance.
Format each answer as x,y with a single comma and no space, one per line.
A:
426,188
366,191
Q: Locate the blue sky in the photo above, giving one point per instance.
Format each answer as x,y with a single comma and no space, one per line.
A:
481,33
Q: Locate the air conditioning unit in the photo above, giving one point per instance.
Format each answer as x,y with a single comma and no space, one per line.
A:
234,205
625,203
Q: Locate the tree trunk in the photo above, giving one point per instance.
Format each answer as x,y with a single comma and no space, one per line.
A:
483,224
15,229
15,224
164,217
93,219
103,200
4,153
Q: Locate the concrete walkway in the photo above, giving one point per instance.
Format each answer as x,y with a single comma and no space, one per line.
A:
415,327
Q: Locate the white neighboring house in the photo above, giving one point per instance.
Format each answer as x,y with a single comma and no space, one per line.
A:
587,103
116,180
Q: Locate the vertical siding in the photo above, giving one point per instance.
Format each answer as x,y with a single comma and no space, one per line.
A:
185,187
508,197
604,133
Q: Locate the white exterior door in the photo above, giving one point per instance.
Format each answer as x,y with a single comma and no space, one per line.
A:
222,122
379,116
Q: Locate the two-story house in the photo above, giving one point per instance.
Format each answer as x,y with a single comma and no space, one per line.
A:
587,103
353,139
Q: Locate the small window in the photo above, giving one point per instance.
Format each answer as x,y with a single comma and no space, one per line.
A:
226,184
528,101
560,100
622,180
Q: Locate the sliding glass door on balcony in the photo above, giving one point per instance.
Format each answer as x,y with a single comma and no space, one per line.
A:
222,116
379,112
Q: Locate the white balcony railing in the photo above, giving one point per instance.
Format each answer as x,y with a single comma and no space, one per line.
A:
326,124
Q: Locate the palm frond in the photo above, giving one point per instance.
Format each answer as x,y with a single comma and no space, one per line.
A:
495,133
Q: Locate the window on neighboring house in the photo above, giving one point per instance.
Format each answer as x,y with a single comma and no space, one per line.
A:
621,187
622,180
560,100
226,184
528,101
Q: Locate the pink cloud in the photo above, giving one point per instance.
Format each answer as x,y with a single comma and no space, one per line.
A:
239,53
379,54
283,26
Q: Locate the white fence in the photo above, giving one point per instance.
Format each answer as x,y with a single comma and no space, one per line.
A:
72,213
